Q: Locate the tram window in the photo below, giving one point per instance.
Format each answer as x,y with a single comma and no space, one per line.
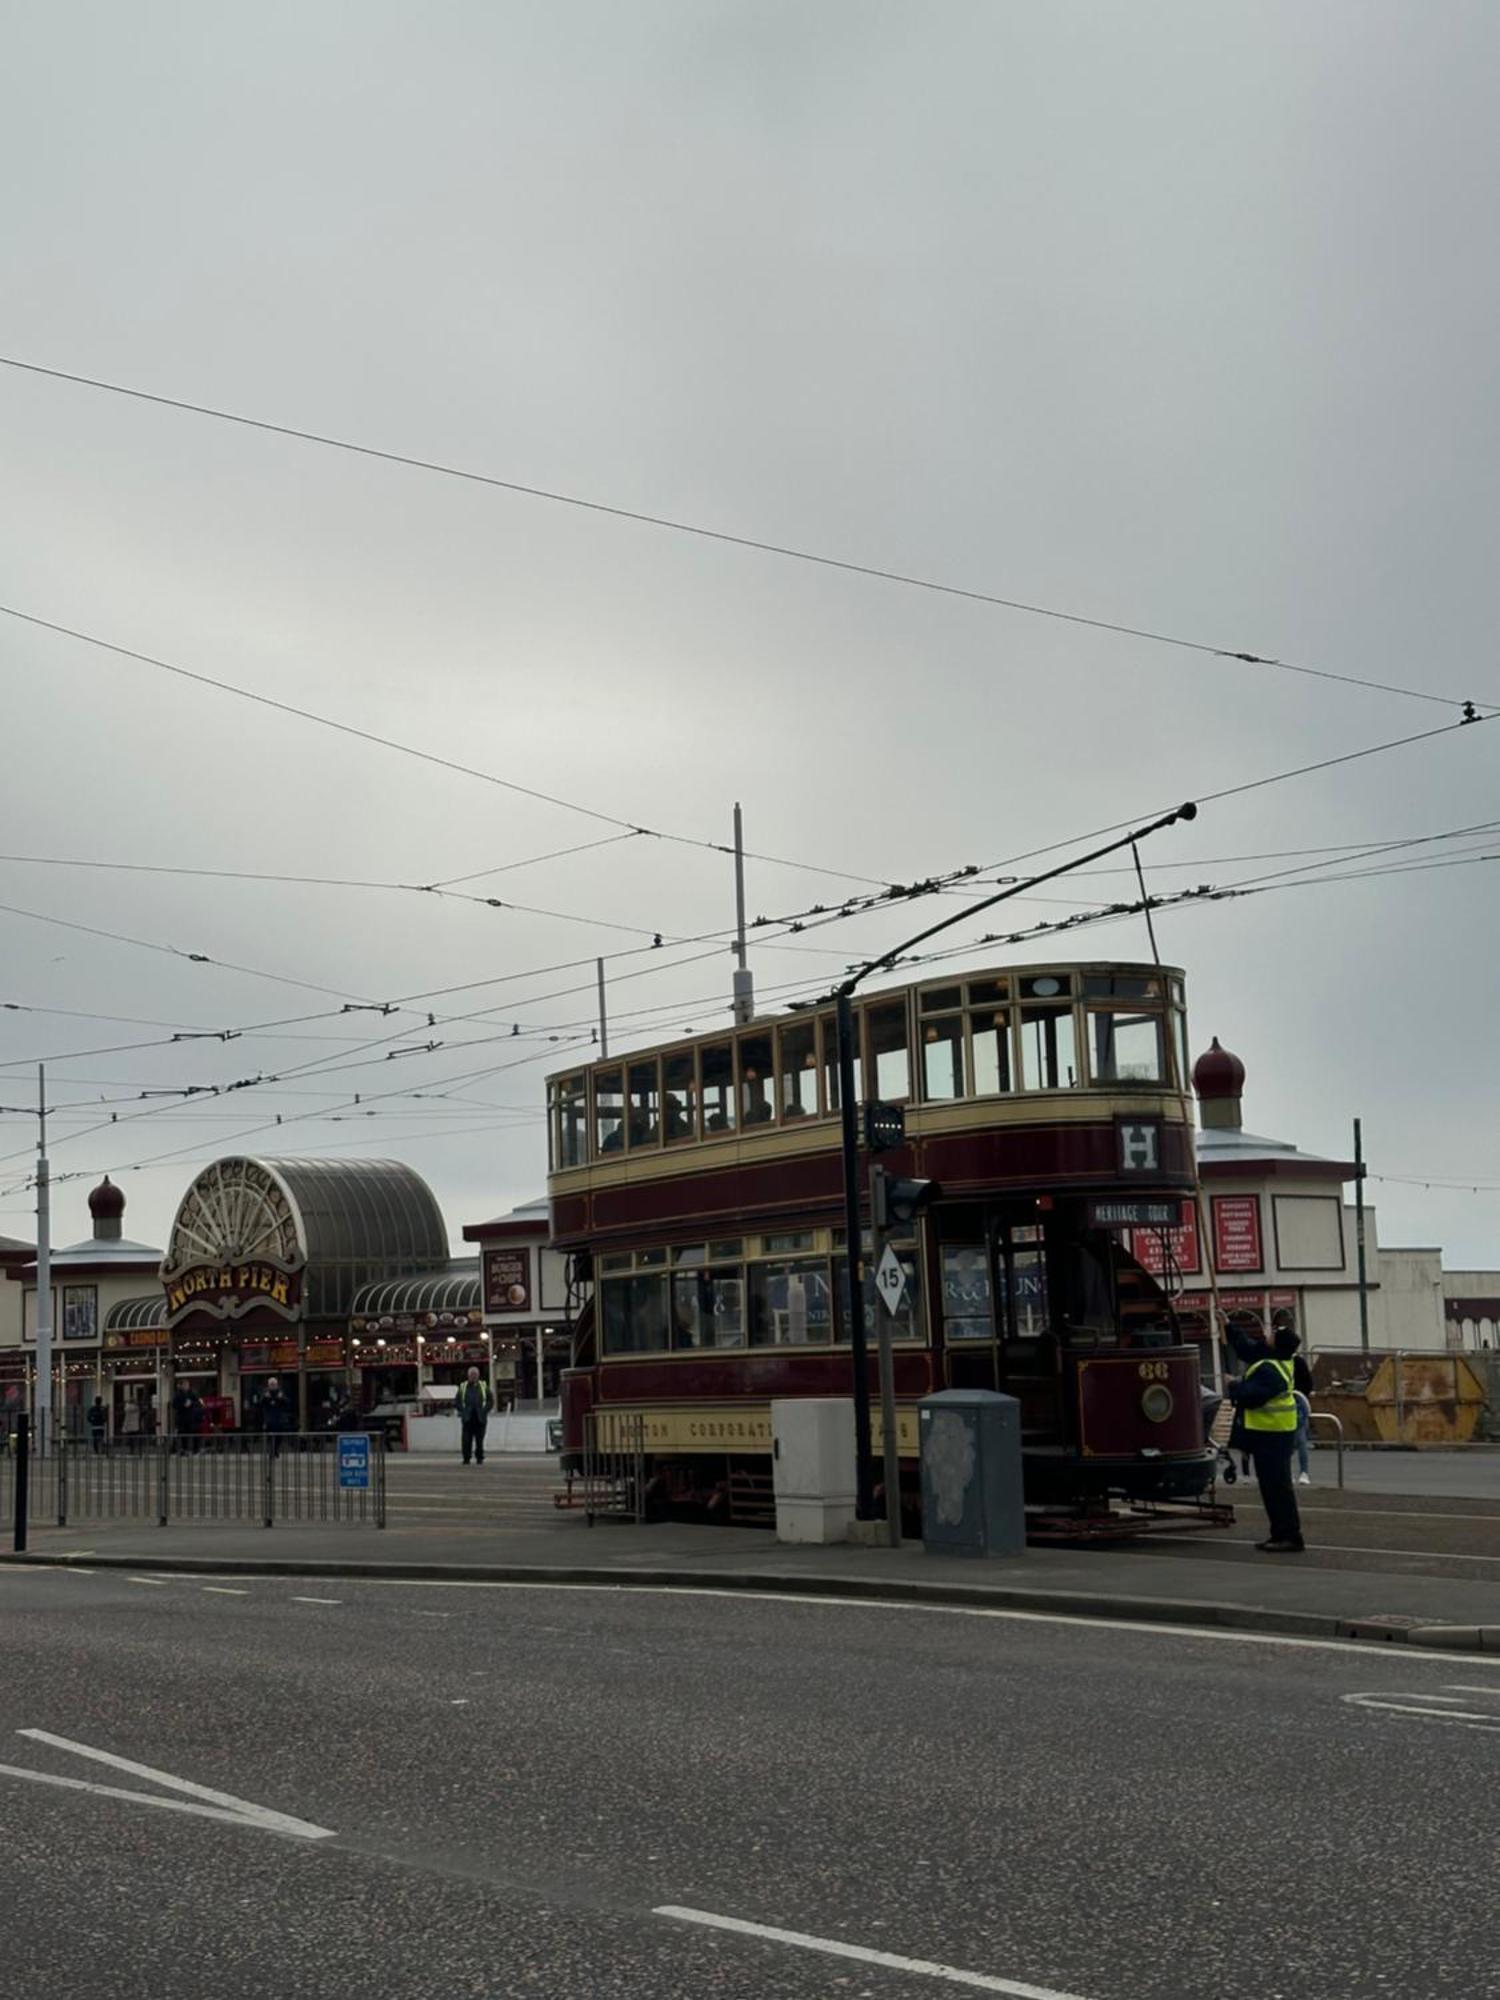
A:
708,1309
609,1111
1047,986
635,1314
1049,1060
717,1061
726,1253
572,1121
645,1093
680,1104
797,1070
831,1062
1121,986
791,1304
616,1260
690,1253
941,1000
890,1060
966,1290
1125,1048
908,1324
1029,1292
757,1106
943,1058
994,1074
988,992
1179,1043
649,1259
788,1242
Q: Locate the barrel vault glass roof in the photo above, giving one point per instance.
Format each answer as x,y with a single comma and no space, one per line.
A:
455,1289
138,1315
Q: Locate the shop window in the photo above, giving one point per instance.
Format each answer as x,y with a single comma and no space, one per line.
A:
1049,1059
797,1070
757,1103
989,1031
1125,1048
680,1100
943,1059
708,1309
717,1070
609,1110
570,1135
645,1122
890,1060
790,1303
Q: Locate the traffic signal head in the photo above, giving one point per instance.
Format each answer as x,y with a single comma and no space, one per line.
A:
899,1202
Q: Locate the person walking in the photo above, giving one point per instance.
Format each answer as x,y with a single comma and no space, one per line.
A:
1266,1408
98,1423
473,1406
275,1414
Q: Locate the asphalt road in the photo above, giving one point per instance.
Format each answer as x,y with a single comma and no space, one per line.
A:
517,1783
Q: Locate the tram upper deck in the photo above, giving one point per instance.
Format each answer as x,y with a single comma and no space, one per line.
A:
1034,1077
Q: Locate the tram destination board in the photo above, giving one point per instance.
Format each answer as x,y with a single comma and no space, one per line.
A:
885,1127
1135,1214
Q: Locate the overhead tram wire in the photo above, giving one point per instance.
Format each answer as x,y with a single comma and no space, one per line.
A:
697,530
411,749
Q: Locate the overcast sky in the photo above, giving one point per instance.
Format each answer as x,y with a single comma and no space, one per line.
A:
1182,316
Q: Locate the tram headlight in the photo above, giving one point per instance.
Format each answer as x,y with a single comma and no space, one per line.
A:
1156,1403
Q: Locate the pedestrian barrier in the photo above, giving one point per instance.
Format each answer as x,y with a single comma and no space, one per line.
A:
225,1476
614,1466
1327,1417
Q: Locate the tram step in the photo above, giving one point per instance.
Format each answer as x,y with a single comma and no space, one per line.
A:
752,1499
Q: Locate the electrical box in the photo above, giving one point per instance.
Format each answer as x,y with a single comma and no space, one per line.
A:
812,1466
972,1499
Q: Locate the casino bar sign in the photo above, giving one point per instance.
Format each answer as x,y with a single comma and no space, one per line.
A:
236,1246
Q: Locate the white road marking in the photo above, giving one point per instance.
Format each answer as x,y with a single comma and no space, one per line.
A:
1416,1705
317,1600
223,1590
215,1805
1463,1687
926,1967
1315,1547
157,1582
1162,1630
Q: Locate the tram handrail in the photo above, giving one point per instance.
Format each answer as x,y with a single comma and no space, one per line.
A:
1327,1417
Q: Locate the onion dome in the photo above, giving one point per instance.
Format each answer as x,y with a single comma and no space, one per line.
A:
1218,1074
107,1202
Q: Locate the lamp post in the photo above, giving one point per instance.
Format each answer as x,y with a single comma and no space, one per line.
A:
864,1464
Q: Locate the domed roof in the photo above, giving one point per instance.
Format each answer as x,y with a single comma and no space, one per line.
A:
107,1202
1217,1073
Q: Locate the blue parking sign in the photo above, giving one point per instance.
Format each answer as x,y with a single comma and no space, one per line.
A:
354,1461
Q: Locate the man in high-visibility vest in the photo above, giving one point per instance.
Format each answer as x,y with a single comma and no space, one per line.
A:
473,1406
1266,1415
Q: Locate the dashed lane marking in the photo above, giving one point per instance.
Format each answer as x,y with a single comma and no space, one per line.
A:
223,1590
926,1968
156,1582
317,1600
1421,1706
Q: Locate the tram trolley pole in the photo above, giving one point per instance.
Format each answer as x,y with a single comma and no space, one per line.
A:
864,1469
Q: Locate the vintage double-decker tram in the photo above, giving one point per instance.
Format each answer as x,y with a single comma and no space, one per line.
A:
701,1186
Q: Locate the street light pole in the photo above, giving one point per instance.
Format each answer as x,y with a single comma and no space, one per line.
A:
42,1402
864,1467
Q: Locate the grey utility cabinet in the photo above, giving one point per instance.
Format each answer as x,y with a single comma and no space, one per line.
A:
972,1502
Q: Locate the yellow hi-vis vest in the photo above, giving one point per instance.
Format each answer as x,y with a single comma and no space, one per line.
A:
1280,1414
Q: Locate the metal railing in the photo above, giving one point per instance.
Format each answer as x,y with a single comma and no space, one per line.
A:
614,1466
224,1476
1327,1417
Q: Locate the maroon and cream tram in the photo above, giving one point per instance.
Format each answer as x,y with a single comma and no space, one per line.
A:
700,1185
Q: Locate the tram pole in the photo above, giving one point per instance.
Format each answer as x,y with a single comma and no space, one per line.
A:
859,1352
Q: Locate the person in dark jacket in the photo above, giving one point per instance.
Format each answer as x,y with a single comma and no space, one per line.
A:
1266,1409
98,1423
473,1406
275,1413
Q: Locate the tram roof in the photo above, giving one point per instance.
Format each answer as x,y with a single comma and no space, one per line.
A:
951,976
